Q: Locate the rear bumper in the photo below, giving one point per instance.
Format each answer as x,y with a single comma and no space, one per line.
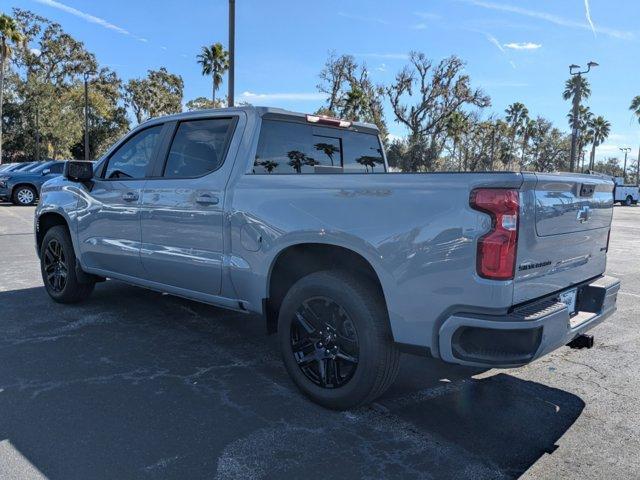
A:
529,331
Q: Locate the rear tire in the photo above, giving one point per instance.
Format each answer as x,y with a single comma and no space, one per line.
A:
334,323
58,268
628,201
24,195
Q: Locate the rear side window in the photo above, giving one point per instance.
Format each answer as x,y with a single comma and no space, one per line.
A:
56,168
295,148
134,156
198,147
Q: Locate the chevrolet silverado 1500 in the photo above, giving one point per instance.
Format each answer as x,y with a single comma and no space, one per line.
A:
296,217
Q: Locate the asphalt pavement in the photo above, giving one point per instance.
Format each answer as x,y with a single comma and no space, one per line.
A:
136,384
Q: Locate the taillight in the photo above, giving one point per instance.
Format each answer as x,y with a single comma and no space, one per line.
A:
496,256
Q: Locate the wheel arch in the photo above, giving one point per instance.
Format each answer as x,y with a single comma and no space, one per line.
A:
45,221
300,259
24,184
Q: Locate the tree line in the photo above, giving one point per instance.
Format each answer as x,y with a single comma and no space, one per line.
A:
447,120
42,75
448,123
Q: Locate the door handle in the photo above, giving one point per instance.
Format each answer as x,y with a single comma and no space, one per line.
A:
207,199
130,196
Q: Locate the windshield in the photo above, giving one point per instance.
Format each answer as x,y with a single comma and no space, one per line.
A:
23,167
38,167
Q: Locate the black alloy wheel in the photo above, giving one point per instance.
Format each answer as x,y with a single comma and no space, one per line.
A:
55,266
324,342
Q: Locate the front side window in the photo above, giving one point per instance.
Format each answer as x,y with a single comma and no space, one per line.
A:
131,160
295,148
198,147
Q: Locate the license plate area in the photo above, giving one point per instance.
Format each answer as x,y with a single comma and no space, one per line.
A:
569,299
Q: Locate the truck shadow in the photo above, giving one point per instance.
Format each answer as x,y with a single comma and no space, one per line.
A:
134,384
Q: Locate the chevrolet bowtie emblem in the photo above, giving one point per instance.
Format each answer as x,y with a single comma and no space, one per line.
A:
583,214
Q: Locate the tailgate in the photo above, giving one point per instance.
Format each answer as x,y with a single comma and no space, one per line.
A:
563,232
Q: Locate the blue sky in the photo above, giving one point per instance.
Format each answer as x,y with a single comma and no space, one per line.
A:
514,50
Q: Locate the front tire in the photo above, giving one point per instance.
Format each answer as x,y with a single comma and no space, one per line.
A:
335,340
628,201
24,195
58,267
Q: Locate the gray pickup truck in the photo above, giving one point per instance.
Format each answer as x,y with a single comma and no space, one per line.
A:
296,217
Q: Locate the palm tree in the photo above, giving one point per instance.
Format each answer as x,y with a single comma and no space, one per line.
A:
297,159
215,62
9,34
517,116
584,120
527,131
599,129
576,84
328,149
269,165
635,108
369,161
576,88
456,126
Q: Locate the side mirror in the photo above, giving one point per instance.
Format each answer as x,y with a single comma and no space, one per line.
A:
78,170
46,171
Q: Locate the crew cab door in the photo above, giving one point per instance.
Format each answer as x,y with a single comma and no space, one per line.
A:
109,223
182,206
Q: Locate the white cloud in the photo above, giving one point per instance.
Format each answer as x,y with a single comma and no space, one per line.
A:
587,12
495,42
431,17
523,46
382,68
89,18
428,16
619,137
362,18
548,17
295,96
392,137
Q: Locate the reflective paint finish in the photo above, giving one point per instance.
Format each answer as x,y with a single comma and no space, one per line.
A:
550,207
182,241
183,225
417,231
108,226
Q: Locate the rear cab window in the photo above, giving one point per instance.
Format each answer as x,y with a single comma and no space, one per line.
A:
291,147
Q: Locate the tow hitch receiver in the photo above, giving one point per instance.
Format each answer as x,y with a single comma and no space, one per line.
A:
581,341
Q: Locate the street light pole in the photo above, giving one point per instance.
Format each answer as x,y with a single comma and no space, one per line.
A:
575,70
232,50
626,150
86,116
